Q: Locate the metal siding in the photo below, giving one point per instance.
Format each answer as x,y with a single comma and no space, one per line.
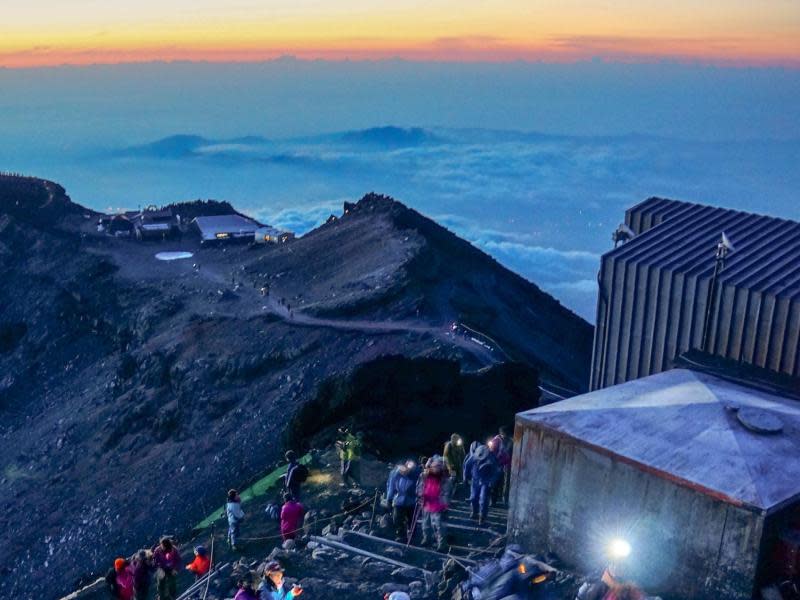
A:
670,262
766,318
599,327
737,325
672,324
792,336
777,334
751,328
723,315
623,349
639,311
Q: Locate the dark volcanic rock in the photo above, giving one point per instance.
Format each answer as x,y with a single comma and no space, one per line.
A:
131,398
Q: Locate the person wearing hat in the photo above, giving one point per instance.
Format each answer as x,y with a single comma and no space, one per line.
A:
235,514
201,563
401,495
142,570
454,454
167,561
502,446
434,489
120,580
273,586
482,471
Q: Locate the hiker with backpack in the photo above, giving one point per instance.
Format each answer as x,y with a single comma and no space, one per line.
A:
482,470
401,495
296,475
235,514
120,580
434,489
502,447
167,561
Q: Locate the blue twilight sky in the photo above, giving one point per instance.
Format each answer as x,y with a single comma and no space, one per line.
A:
533,162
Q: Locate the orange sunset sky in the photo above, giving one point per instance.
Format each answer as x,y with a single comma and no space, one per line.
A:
737,32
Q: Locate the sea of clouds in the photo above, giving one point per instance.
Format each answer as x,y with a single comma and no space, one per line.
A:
544,206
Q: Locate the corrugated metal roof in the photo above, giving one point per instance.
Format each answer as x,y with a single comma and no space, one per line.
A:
654,291
231,224
683,236
681,425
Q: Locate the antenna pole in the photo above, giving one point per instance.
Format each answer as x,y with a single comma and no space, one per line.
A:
711,299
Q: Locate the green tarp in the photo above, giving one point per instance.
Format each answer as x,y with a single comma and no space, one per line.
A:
259,488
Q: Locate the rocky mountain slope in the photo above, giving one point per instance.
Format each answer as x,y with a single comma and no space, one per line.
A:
134,392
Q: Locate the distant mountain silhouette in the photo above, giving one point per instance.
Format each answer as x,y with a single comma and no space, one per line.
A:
186,145
395,137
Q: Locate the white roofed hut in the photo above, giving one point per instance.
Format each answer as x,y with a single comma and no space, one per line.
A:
225,228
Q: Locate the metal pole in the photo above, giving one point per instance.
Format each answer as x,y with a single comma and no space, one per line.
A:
374,506
402,545
712,295
354,550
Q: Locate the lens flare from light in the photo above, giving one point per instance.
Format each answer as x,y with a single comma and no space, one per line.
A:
619,548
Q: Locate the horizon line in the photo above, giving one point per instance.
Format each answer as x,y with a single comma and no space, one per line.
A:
738,63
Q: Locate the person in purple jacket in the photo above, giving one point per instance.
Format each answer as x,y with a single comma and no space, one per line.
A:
142,569
167,561
246,591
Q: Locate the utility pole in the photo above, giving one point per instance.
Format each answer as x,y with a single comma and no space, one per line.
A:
723,248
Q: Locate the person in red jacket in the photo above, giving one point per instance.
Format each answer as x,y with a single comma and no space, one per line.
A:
201,563
292,515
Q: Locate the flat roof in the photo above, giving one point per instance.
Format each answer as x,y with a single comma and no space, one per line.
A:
233,224
685,426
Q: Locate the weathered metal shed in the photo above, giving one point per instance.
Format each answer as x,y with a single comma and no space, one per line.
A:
672,462
654,291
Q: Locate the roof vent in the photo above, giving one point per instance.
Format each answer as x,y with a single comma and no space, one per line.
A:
759,421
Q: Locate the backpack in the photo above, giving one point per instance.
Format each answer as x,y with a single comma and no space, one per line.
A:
273,512
486,467
300,474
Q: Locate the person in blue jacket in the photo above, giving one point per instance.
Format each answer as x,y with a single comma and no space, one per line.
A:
482,470
401,495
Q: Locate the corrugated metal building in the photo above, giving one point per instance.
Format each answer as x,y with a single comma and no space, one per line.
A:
226,228
654,291
670,462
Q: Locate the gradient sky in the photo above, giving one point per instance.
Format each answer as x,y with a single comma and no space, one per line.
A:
722,32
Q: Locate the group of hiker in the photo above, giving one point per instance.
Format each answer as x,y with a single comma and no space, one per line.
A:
290,514
426,488
130,579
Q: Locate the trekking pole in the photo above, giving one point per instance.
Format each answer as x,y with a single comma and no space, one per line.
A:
413,523
374,506
210,564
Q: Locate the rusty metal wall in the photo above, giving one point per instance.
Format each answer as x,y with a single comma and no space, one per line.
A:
572,500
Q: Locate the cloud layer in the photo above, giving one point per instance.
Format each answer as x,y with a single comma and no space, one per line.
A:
542,205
